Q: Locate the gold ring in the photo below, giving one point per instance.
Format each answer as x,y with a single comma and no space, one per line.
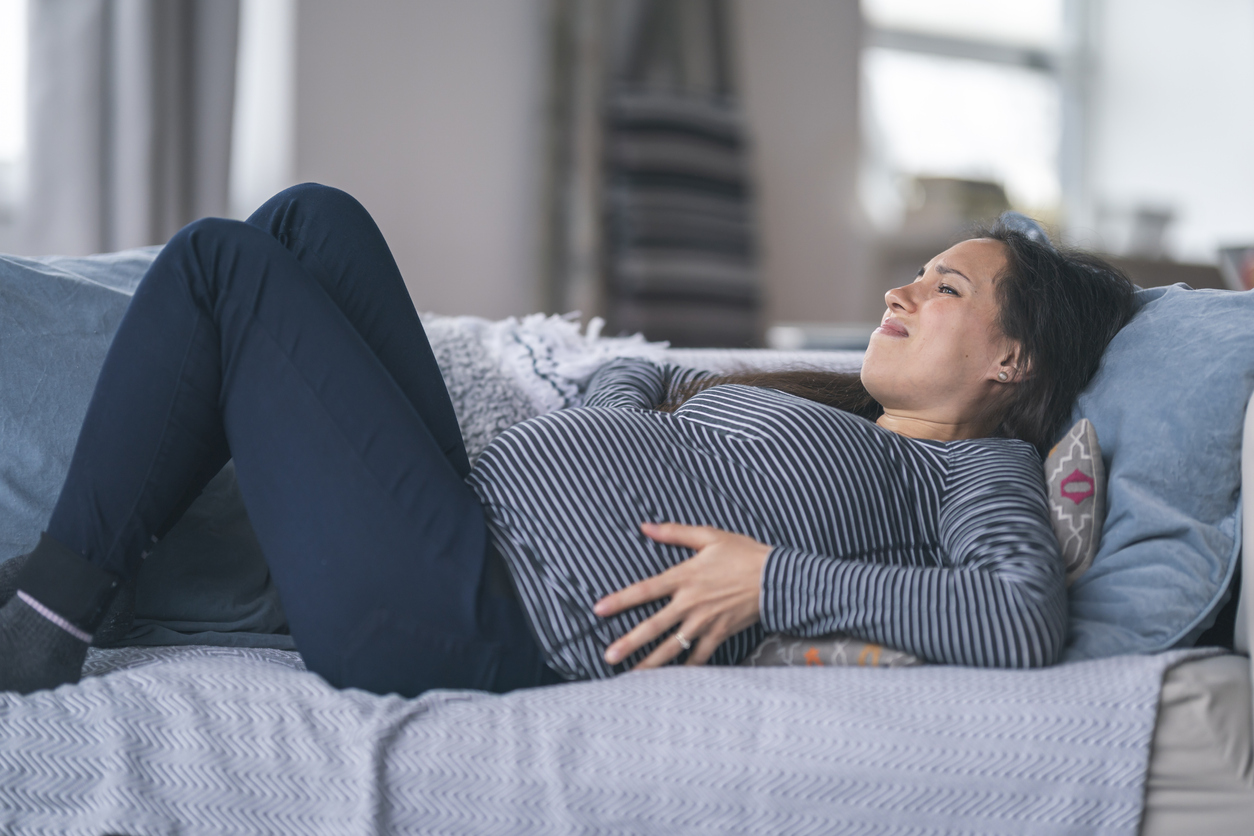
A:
683,642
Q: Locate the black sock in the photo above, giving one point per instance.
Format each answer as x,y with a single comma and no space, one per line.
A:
67,583
46,626
35,652
117,618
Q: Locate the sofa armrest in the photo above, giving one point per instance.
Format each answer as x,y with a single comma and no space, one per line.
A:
1243,639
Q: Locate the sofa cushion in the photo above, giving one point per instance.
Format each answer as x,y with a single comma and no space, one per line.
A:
1168,403
206,582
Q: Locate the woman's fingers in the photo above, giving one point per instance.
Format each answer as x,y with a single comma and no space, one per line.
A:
671,646
704,646
697,627
702,640
646,631
678,534
663,653
694,623
713,595
642,592
658,586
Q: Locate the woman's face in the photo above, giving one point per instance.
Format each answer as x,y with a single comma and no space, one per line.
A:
938,350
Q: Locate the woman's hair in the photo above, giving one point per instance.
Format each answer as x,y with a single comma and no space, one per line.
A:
1061,306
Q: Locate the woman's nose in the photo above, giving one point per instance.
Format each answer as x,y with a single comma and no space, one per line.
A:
899,298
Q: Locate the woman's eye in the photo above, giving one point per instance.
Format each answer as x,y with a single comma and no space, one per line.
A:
944,288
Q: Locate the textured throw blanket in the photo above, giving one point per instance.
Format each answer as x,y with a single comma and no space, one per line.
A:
223,741
500,373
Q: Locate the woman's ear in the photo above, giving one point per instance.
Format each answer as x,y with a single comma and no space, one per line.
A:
1011,366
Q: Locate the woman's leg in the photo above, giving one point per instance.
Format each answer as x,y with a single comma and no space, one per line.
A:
338,243
373,539
340,246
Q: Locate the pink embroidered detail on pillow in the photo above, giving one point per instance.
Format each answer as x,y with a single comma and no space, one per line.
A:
1077,496
1077,487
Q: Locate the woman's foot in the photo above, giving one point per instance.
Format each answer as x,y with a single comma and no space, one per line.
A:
36,652
117,619
60,600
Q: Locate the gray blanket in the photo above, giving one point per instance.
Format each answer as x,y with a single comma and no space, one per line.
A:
222,741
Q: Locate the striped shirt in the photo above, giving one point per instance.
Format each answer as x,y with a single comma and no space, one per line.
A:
941,549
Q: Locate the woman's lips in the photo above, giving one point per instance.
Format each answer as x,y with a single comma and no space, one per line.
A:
891,328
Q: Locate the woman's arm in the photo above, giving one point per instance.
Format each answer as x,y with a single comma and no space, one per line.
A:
1000,601
635,382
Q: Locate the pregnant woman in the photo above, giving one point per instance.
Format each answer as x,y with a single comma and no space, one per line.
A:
673,517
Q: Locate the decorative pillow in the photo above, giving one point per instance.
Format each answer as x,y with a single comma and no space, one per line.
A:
1077,496
833,649
1168,402
56,322
206,582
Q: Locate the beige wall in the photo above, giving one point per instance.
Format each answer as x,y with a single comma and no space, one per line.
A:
799,74
429,112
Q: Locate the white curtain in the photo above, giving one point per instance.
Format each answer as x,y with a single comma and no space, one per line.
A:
130,120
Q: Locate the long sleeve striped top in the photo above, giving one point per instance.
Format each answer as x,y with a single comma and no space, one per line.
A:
941,549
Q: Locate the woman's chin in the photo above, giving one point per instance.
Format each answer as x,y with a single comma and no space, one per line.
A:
878,360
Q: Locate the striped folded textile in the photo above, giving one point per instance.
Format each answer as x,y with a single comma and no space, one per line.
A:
679,221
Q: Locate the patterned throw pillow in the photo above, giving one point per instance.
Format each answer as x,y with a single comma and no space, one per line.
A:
832,649
1077,496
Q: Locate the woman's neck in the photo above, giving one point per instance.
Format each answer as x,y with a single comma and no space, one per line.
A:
933,429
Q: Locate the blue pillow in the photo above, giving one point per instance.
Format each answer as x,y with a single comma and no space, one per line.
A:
207,581
1168,403
57,318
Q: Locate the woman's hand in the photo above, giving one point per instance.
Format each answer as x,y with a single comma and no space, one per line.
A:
714,595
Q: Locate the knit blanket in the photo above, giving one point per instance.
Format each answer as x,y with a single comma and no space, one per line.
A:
501,372
230,740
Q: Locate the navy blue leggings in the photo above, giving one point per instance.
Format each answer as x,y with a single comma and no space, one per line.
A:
290,343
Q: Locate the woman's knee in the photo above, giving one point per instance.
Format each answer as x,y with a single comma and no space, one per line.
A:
208,237
209,251
294,207
315,193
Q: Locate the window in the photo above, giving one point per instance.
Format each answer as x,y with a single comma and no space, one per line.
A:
12,102
963,89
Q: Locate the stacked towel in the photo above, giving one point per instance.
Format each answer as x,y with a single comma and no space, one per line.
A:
679,228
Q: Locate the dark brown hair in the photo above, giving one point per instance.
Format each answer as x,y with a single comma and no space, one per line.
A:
1061,306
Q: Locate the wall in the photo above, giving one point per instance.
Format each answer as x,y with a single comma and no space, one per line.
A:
429,111
1171,119
799,75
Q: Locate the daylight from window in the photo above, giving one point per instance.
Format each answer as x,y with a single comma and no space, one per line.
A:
950,117
1033,23
12,79
12,95
961,89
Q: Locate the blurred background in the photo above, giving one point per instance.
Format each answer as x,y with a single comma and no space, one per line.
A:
712,172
